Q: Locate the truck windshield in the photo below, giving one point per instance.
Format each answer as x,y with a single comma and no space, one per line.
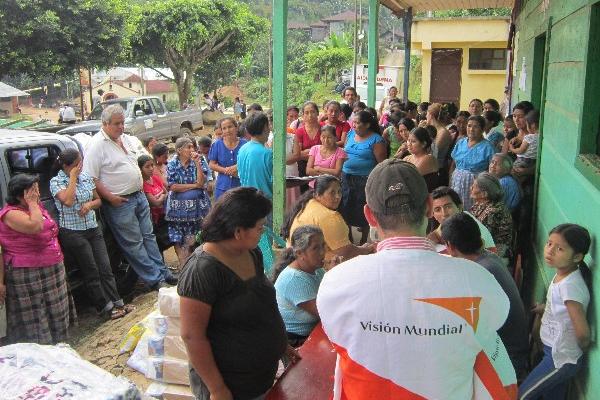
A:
97,111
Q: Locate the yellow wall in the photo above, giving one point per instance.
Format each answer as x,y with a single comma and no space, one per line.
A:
463,33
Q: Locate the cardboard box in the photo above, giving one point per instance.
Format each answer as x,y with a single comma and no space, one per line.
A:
168,370
163,391
167,346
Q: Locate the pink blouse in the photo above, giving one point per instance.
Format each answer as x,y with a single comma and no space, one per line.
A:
328,162
22,250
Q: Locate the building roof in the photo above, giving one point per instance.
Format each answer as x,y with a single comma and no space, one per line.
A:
399,6
158,86
132,78
298,25
319,24
346,16
9,91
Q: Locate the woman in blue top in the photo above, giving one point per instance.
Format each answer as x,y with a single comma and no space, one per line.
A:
223,156
76,199
297,278
471,156
365,149
187,203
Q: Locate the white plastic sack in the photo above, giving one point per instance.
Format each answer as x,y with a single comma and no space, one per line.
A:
139,357
32,371
168,301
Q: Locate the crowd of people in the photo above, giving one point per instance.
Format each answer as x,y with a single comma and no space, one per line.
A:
437,196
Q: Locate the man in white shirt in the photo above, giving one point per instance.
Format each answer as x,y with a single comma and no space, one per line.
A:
406,322
446,203
111,159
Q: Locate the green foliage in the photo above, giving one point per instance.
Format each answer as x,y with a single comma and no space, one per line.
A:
471,12
52,38
414,88
187,34
323,61
227,101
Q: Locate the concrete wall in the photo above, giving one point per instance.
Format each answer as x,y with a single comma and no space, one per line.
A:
463,33
567,192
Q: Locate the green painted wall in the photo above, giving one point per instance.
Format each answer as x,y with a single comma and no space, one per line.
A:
565,194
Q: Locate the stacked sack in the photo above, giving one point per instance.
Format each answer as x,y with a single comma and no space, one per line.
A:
160,353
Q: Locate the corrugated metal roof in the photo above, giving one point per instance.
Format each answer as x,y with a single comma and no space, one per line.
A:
9,91
398,6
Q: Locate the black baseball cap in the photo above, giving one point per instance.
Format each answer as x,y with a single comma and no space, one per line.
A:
395,187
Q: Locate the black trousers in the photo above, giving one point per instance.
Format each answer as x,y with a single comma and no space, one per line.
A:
88,250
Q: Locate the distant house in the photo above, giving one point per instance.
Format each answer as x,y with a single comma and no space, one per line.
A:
299,26
319,31
166,90
463,58
338,23
9,99
121,82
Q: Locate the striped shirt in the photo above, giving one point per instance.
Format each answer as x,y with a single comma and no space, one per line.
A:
410,242
69,216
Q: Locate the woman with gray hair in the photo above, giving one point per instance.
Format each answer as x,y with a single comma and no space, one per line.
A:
187,202
489,208
298,275
500,166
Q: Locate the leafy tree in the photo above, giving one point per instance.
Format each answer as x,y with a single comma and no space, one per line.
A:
52,38
333,54
185,34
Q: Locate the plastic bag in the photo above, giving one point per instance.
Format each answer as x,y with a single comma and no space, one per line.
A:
132,337
32,371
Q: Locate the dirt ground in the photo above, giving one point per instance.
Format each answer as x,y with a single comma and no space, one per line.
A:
98,341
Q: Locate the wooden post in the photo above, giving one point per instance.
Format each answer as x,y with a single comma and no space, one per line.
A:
373,53
280,13
407,25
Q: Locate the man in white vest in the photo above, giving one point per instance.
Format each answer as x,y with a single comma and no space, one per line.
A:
406,322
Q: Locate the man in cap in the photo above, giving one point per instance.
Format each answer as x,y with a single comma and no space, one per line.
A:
406,322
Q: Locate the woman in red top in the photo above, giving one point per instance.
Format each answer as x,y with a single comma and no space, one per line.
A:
342,128
309,134
156,193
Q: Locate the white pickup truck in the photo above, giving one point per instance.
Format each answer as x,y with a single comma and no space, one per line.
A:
144,116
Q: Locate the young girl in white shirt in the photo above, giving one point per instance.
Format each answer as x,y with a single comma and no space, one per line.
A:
565,331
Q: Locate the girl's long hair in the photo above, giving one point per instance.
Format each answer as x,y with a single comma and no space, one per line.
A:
322,183
579,239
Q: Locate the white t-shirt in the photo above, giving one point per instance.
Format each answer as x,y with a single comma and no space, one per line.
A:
116,169
557,329
409,321
68,114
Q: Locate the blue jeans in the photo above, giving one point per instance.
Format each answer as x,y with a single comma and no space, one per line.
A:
131,226
547,382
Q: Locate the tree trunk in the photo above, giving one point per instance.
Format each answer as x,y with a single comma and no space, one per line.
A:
184,84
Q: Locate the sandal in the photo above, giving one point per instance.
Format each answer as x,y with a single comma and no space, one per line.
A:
127,308
116,313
